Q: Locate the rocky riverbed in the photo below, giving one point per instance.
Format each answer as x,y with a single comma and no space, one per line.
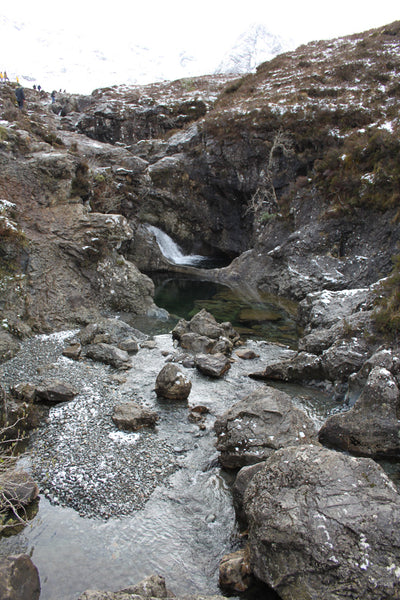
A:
152,500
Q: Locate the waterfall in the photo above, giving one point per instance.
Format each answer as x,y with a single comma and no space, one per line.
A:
171,251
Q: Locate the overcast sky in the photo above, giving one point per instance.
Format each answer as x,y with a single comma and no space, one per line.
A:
209,22
205,30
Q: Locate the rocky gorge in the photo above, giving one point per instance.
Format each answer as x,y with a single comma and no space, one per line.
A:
290,176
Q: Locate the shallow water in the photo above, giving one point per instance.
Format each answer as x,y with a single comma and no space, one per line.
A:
116,507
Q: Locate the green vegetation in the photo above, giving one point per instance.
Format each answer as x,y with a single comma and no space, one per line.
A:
387,312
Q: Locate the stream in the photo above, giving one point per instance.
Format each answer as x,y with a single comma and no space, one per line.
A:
116,506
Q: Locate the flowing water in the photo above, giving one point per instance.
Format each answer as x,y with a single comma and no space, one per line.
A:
115,506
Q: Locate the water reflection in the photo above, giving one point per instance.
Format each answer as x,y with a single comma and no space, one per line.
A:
254,316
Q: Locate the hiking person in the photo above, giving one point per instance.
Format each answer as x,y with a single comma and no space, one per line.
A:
53,96
19,94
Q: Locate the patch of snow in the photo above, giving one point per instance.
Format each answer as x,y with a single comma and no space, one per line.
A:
120,437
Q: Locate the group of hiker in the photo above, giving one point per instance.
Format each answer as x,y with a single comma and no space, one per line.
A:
19,90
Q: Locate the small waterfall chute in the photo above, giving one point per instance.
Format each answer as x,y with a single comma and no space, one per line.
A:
171,251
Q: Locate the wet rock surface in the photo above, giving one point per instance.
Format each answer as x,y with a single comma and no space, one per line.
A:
323,524
19,578
143,487
255,427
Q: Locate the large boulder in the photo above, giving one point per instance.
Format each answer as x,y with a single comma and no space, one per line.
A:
371,427
54,392
131,416
300,367
108,354
324,525
212,365
19,578
205,335
255,427
111,331
172,384
326,308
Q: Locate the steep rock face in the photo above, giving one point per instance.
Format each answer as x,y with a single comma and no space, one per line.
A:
61,261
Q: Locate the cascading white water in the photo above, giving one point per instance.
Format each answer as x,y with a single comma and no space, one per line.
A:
171,251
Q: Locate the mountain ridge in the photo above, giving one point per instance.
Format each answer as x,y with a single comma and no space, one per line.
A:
67,60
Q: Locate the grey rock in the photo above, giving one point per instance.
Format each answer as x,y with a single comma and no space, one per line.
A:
24,391
203,334
213,365
196,343
326,308
108,354
9,346
255,427
152,587
53,392
371,427
73,351
131,416
19,578
246,354
17,488
243,478
172,384
324,525
344,357
301,367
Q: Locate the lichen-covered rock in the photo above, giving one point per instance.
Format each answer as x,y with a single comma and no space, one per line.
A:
255,427
172,384
324,525
371,427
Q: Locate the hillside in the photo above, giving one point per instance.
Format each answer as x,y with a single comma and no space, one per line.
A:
289,176
293,169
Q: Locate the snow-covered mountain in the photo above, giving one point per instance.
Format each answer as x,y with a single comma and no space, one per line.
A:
254,46
62,59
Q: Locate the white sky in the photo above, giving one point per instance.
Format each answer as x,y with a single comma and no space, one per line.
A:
205,29
206,22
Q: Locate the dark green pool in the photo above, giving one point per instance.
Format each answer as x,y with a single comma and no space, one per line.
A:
256,316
